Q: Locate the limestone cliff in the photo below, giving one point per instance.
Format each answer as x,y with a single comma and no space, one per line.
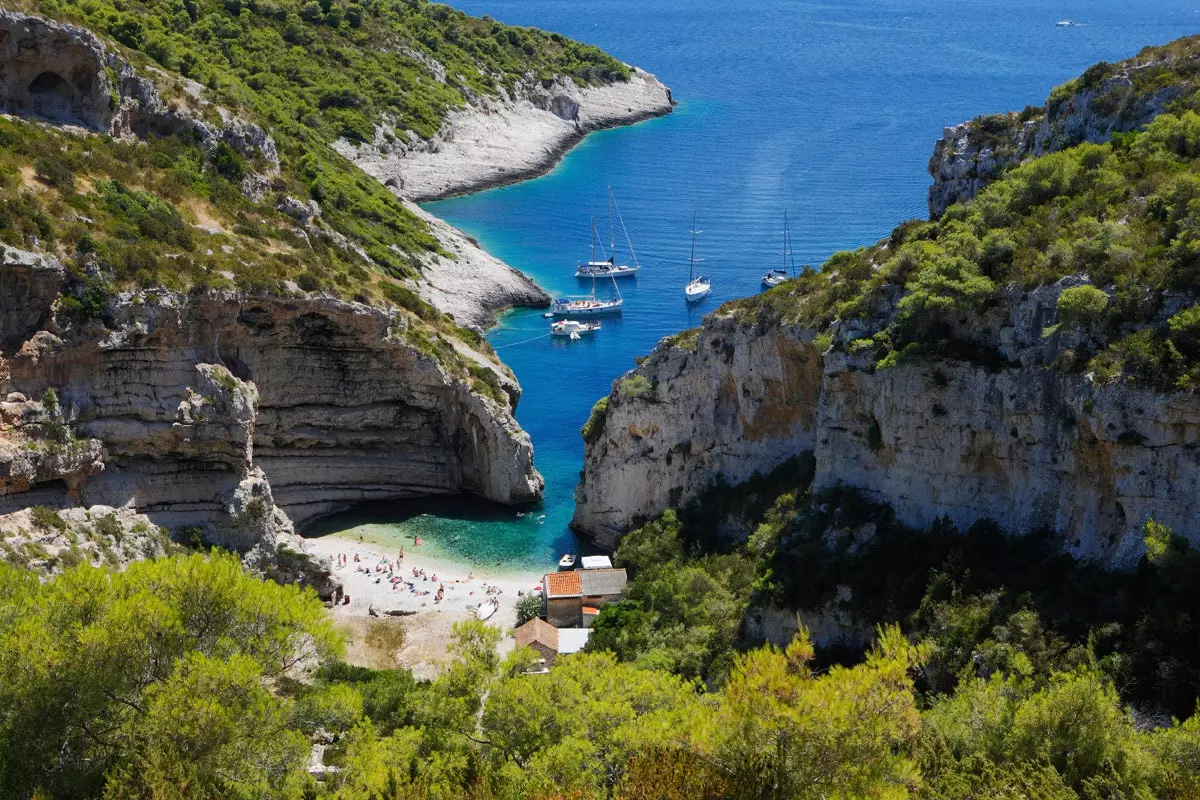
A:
500,140
1107,99
1021,445
244,414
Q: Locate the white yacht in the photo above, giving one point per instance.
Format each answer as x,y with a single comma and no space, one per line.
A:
609,268
567,561
699,287
774,277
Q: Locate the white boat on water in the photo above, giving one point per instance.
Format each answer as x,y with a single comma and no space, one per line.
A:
609,268
774,277
698,287
1066,23
573,329
567,561
590,306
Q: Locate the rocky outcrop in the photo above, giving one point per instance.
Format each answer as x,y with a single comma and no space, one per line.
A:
730,404
1022,445
245,414
972,154
470,284
65,74
505,139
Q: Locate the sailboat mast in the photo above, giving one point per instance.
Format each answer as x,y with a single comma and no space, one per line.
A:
612,233
692,258
785,242
593,239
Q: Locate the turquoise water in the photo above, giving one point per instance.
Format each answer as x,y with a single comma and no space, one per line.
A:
827,109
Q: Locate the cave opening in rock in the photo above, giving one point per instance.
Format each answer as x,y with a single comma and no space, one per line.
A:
50,96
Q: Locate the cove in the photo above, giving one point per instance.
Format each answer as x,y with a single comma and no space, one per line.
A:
829,109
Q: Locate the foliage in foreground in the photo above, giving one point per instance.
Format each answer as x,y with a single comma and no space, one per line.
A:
186,677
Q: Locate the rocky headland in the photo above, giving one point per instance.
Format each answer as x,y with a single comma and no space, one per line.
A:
948,371
504,139
1107,99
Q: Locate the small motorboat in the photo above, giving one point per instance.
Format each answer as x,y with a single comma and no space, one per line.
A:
1066,23
567,561
573,329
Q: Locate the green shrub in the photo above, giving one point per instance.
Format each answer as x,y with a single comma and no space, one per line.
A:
635,387
47,519
54,172
1081,305
595,422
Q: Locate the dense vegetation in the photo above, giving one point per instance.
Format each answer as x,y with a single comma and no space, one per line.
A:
186,677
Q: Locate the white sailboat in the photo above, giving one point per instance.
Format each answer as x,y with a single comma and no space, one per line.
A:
774,277
699,287
609,268
590,306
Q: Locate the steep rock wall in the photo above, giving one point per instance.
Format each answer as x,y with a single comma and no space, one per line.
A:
972,154
244,414
740,400
1023,446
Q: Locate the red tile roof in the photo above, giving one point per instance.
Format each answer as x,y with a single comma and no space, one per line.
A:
563,584
540,631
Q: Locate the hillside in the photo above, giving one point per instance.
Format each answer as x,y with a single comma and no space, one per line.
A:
212,316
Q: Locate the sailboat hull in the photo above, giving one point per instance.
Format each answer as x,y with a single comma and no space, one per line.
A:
606,272
599,309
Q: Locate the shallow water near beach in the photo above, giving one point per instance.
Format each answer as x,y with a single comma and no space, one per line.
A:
827,109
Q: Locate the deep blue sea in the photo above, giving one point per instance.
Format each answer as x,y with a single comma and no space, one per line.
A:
826,109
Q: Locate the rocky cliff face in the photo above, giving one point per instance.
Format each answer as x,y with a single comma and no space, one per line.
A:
1022,445
972,154
504,139
735,402
65,74
244,414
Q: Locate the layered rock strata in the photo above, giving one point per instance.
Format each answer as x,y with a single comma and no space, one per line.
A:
245,414
1022,445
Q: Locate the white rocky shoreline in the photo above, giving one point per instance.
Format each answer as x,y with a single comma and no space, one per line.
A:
495,142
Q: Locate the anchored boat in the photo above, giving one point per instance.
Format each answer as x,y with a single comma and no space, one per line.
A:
573,329
699,287
774,277
609,268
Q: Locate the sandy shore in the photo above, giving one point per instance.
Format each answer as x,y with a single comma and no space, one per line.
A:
428,630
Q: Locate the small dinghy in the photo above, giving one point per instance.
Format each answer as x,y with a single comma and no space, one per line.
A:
573,329
567,561
487,608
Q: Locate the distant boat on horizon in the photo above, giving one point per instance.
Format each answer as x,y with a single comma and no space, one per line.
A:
1066,23
698,287
609,268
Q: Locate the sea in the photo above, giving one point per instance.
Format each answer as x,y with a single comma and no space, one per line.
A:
825,110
